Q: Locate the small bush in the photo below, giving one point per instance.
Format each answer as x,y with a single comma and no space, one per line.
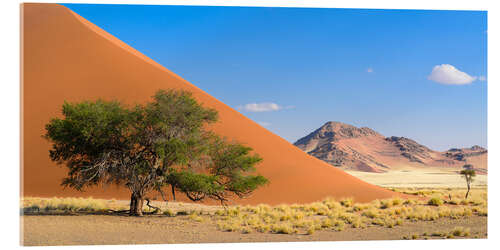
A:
372,213
310,230
435,201
220,212
228,227
283,229
460,231
169,213
437,234
397,201
196,217
246,230
347,202
385,204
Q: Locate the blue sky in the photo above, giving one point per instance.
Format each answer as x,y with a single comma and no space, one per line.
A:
418,74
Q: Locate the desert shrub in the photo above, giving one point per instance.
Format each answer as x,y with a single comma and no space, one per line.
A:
410,202
435,201
437,234
297,215
477,201
310,230
196,217
327,223
169,213
460,231
372,213
229,226
358,223
263,228
285,217
262,208
252,221
283,229
348,202
397,201
399,222
234,211
220,212
385,204
332,204
482,211
246,230
378,221
453,201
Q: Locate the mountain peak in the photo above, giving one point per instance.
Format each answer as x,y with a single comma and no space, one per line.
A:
335,130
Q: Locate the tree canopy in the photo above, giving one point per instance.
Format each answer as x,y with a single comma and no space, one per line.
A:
468,173
150,147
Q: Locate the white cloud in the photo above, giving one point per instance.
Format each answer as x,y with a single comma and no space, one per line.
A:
260,107
369,70
263,107
482,78
264,124
448,74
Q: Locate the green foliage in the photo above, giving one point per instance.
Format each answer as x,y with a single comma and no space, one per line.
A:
149,147
468,173
89,131
195,186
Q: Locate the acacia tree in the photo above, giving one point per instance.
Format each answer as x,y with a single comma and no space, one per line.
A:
468,173
149,147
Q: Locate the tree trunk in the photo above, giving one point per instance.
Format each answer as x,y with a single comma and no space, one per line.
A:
173,192
136,203
133,204
468,189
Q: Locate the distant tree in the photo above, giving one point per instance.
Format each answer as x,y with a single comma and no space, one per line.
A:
468,173
149,147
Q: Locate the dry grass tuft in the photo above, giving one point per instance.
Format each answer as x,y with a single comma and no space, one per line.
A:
32,204
435,201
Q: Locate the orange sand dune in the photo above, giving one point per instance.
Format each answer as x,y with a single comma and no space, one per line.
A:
65,57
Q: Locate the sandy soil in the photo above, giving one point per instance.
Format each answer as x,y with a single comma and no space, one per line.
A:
101,230
419,178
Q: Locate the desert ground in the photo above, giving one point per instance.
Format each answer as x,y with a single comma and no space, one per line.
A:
101,230
428,214
419,178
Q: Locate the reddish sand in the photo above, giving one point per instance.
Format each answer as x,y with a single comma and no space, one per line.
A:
65,57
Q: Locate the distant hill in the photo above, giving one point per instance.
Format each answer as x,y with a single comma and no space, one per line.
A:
363,149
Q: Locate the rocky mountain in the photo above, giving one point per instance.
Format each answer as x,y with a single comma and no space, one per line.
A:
363,149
